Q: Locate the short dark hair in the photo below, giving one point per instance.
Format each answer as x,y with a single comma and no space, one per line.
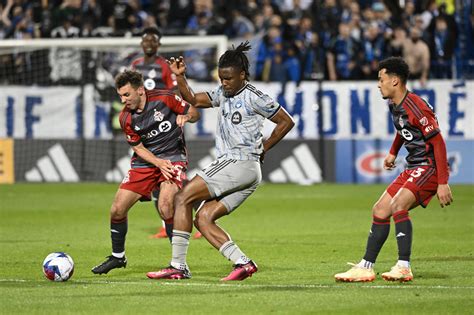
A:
237,58
395,66
135,79
153,30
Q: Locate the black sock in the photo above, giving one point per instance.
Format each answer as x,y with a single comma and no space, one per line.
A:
404,234
118,231
377,237
169,228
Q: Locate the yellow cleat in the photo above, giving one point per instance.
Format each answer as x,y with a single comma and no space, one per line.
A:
356,274
398,273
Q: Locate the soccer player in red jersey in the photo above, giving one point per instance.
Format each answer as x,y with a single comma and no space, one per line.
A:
157,75
152,121
426,174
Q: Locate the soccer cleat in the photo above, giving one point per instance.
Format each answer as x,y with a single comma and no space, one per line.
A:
356,274
161,234
241,272
111,263
170,273
398,273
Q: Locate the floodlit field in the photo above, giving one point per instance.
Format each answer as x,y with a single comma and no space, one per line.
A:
300,236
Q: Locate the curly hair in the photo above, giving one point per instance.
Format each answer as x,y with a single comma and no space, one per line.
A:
236,58
395,66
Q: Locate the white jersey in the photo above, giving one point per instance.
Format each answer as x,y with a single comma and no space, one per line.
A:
240,122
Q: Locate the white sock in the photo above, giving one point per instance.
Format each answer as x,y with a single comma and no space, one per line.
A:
233,253
403,263
118,255
179,248
366,264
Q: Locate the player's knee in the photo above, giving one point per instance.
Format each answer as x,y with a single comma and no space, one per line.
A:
166,210
381,211
396,206
181,199
117,213
202,218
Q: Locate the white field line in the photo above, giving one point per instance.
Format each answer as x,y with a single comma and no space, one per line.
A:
184,283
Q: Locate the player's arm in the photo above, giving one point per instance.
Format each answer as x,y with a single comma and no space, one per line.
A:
191,116
199,100
134,141
389,161
284,122
165,166
444,194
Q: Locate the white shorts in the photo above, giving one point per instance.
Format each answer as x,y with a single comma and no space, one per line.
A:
231,181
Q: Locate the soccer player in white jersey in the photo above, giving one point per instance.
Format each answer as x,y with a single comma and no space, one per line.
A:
236,173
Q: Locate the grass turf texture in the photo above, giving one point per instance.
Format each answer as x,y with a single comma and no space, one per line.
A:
300,236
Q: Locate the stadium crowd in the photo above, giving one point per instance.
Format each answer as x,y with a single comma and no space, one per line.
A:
293,40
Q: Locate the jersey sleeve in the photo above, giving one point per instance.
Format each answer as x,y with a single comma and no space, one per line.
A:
264,105
215,95
177,104
126,124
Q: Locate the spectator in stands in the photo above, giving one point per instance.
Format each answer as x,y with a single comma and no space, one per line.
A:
374,51
417,55
344,56
442,44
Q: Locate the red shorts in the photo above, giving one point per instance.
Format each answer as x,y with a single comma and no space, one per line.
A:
144,180
422,181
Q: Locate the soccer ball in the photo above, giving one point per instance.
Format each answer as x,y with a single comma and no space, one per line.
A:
58,266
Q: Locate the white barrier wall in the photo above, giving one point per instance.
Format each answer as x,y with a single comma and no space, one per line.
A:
350,110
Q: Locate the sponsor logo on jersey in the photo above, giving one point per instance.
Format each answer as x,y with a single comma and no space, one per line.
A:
149,84
236,118
407,134
424,121
158,116
165,126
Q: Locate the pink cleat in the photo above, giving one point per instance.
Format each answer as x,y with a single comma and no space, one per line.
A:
241,272
170,273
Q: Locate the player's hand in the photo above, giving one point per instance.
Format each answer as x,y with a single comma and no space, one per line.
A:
182,119
444,195
177,65
389,162
166,167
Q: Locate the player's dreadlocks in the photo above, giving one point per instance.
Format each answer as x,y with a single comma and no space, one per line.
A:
236,58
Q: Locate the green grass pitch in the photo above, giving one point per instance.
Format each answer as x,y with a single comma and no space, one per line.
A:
300,236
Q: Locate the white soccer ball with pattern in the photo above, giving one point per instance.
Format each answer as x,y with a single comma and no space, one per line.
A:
58,266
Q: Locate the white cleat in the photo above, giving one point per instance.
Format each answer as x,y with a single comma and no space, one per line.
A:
356,274
398,273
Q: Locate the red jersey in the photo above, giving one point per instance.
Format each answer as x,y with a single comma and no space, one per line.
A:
156,127
156,75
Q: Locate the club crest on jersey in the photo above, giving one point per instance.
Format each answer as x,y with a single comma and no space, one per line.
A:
238,104
424,121
158,116
400,122
149,84
236,118
152,74
407,134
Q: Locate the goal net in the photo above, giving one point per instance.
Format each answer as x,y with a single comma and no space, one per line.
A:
59,105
